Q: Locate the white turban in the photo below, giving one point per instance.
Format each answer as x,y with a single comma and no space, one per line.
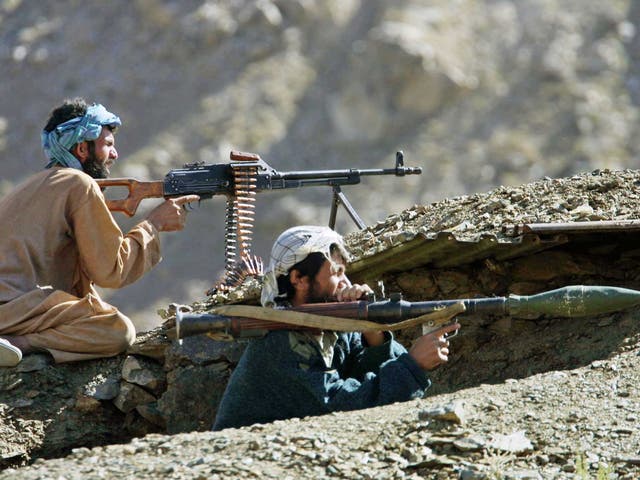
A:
293,246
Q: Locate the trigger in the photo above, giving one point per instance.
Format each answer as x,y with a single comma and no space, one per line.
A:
189,206
449,335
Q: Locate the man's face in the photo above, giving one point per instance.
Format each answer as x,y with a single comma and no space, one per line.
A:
101,156
329,281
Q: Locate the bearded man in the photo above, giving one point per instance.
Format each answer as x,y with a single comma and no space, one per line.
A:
299,373
60,241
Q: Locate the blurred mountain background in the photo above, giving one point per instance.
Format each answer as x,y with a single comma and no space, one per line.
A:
479,93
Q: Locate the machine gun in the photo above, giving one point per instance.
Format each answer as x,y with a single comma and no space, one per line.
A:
239,321
240,180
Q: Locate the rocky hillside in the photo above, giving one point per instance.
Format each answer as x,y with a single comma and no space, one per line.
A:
521,398
579,424
478,93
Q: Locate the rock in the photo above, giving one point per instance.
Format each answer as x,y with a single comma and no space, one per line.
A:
150,412
106,389
582,211
148,374
471,443
201,350
86,404
131,396
192,396
467,473
522,475
34,362
452,412
631,460
21,403
516,443
155,350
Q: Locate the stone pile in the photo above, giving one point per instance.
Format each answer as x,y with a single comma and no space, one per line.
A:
597,195
541,427
163,386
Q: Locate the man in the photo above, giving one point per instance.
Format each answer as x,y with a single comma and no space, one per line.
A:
294,373
59,241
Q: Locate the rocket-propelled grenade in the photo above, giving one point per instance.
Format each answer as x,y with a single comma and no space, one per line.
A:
571,301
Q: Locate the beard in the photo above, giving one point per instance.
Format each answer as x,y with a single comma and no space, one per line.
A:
93,166
316,295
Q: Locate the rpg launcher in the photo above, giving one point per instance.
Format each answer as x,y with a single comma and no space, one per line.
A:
240,321
239,180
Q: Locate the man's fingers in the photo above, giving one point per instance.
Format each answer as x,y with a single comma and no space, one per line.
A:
452,327
353,292
186,199
444,356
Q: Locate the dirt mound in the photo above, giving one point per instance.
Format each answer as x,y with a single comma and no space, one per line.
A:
572,424
593,196
531,398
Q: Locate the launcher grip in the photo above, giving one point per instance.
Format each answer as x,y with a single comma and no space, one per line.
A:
137,191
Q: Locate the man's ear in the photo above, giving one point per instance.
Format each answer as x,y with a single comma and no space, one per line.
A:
81,151
299,282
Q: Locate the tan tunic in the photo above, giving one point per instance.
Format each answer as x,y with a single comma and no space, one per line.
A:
58,240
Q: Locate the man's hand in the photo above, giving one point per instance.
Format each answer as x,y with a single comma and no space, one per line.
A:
170,215
432,350
351,293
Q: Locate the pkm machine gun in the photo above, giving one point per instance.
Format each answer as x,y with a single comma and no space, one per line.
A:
240,180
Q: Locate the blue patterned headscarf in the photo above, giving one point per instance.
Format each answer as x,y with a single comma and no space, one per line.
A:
58,142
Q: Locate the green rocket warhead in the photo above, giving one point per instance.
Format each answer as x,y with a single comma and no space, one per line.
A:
574,301
570,301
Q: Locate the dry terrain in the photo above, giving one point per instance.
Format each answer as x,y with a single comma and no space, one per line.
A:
520,398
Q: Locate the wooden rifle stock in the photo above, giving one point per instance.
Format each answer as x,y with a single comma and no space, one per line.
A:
137,191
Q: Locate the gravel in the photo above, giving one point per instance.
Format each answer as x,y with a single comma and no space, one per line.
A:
562,424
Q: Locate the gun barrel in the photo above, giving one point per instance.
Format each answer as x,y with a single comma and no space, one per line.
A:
389,311
275,180
344,173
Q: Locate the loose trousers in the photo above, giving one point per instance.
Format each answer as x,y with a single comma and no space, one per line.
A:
68,327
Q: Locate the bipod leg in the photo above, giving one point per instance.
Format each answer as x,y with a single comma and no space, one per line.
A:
339,198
